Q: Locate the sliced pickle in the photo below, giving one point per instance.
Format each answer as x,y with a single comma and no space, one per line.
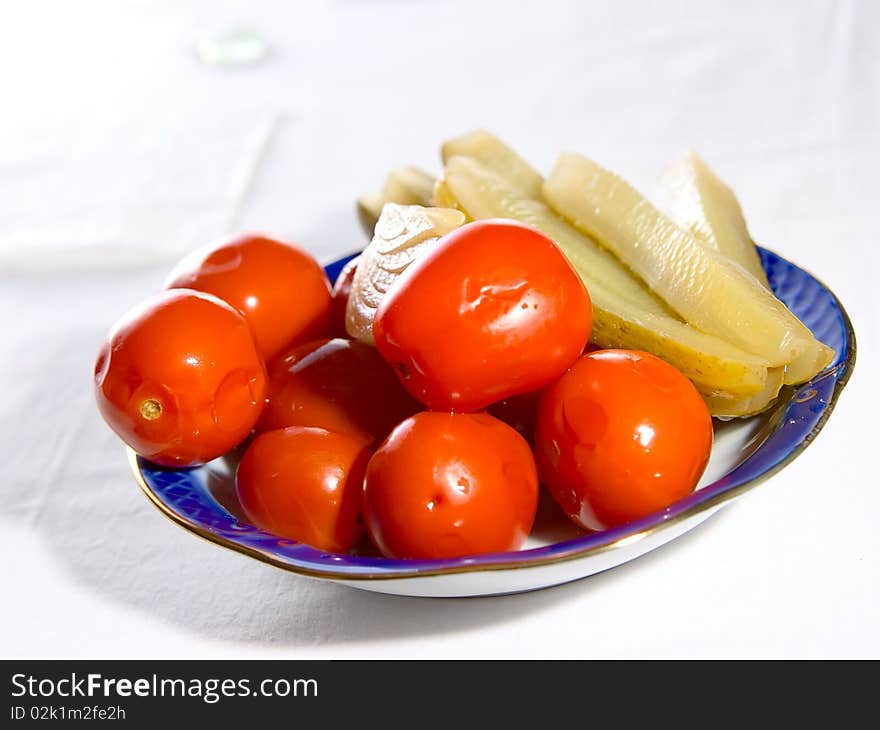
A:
442,197
695,198
408,185
403,233
723,405
804,367
712,293
484,146
625,314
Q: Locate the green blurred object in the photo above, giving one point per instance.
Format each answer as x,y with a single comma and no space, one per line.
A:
234,47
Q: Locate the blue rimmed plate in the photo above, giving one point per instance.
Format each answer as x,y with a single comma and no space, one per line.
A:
745,453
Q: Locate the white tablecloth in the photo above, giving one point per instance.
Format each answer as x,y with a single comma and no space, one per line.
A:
119,149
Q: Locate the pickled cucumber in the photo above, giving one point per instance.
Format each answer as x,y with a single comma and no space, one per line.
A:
804,367
723,405
484,146
696,199
709,291
442,197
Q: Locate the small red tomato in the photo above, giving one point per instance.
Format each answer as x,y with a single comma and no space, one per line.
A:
621,435
179,378
494,310
280,289
339,294
305,484
340,385
450,484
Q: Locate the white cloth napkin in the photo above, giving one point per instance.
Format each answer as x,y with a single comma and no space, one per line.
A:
118,145
132,192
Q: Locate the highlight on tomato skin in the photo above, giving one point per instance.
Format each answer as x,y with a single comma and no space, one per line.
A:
179,378
621,435
448,485
305,484
341,385
279,288
494,310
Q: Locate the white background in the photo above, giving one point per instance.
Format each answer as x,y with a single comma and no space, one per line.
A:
119,150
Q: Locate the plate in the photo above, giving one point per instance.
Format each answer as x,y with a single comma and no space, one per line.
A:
745,453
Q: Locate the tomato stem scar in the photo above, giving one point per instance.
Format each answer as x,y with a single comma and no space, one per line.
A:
151,409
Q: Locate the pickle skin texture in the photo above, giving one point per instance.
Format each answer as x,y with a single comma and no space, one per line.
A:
711,292
812,362
443,198
618,320
726,406
696,199
485,147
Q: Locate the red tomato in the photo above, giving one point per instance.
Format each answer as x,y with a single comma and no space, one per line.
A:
305,484
494,310
340,385
280,289
445,485
179,378
621,435
340,293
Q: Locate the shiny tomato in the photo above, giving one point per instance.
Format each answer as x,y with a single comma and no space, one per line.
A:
621,435
340,385
280,289
445,485
340,293
494,310
179,378
305,484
